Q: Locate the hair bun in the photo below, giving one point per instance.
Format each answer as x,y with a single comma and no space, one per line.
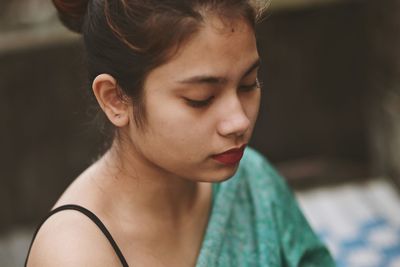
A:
72,13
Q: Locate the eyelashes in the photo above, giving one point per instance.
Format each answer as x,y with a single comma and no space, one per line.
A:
246,88
199,103
204,103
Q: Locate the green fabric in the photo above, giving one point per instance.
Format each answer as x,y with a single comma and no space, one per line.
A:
256,222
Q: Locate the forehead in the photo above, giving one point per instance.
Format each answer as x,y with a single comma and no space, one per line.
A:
218,48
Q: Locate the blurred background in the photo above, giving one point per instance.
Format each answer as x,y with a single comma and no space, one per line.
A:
329,120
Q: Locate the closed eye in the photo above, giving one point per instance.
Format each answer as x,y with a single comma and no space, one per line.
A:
250,87
199,103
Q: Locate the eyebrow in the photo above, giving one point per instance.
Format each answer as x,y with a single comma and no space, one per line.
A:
208,79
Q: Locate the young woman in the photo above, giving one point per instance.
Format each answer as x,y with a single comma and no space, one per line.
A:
177,79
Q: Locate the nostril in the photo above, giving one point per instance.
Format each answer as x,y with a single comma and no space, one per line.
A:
237,125
235,120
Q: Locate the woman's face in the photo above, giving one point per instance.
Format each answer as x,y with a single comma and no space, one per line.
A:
202,102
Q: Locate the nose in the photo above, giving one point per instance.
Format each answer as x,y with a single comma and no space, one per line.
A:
235,121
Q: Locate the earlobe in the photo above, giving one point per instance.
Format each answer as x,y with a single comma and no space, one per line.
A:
108,95
119,120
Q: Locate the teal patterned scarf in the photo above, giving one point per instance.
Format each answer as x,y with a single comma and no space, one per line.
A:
256,222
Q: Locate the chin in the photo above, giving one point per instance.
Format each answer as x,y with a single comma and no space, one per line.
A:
221,174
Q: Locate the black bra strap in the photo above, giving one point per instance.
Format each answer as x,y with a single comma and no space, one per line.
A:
91,216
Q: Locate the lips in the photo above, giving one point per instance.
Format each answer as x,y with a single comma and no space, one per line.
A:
230,157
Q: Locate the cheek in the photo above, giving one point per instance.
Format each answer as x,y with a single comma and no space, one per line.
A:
174,125
176,140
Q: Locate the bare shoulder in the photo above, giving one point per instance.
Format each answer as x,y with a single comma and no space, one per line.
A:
69,238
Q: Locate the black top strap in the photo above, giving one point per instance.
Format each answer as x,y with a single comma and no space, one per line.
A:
91,216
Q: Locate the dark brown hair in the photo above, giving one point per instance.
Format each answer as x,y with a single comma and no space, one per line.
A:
129,38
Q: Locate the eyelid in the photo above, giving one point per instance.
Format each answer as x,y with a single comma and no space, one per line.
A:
198,103
256,84
205,102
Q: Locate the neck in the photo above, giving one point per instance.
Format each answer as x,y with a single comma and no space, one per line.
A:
136,186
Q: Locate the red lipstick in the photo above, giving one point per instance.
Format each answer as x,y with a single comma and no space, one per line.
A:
230,157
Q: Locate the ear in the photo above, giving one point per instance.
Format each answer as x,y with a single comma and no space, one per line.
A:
108,95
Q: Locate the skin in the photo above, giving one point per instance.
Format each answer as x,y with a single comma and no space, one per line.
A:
152,188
